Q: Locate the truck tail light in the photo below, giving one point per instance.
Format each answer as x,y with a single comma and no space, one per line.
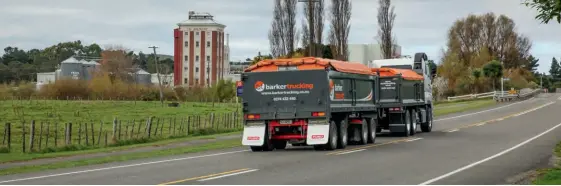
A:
252,116
318,114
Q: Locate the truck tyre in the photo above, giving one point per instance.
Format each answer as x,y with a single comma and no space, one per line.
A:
279,144
342,129
372,130
413,120
268,144
333,138
364,134
427,126
407,126
256,148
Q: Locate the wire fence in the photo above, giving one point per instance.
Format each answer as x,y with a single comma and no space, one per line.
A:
47,136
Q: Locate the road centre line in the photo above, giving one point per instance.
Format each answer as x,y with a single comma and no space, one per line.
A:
204,177
348,152
489,158
122,166
367,146
226,175
453,130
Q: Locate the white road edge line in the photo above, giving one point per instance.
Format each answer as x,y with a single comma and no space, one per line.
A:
534,109
122,166
454,130
226,175
489,158
414,139
348,152
454,117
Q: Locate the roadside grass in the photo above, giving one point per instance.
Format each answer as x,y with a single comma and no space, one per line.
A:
13,157
550,176
124,157
94,120
449,108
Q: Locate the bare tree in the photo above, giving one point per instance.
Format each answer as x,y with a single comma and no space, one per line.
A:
340,28
318,21
282,35
386,17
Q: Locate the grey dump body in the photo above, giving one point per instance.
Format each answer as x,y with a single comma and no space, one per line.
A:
285,94
396,91
289,94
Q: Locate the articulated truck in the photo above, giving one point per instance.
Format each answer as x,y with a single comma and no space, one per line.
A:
329,104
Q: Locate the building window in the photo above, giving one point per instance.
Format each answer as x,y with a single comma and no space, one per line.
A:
207,58
207,70
186,43
197,44
185,80
196,58
186,58
197,33
186,68
208,44
196,69
187,33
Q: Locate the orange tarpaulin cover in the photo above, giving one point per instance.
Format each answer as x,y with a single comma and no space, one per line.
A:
405,73
310,63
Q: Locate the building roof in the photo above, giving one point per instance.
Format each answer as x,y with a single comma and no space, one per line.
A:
71,60
143,72
200,19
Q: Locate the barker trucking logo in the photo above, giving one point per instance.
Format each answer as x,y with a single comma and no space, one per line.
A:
260,86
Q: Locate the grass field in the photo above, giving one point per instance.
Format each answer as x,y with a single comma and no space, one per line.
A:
551,176
93,122
449,108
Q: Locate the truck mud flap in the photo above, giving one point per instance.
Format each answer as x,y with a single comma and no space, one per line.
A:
254,135
318,134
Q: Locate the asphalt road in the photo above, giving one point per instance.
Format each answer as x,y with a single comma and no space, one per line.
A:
487,146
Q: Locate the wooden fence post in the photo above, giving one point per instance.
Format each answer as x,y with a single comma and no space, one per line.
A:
41,136
93,132
132,129
48,131
9,129
188,124
162,127
114,129
56,134
69,134
31,135
80,134
157,126
100,131
23,136
149,129
86,131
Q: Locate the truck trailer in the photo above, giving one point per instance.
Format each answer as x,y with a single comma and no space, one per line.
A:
326,103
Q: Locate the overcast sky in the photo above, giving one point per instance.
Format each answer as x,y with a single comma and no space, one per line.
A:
421,25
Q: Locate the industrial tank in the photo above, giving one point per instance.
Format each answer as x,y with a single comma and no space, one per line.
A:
143,77
72,68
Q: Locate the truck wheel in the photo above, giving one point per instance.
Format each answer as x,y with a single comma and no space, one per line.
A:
333,138
413,121
427,126
372,130
364,132
256,148
343,137
268,144
407,126
279,144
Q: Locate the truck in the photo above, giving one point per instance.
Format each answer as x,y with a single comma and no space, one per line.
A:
404,94
328,104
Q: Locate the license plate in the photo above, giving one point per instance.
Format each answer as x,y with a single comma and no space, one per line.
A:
284,122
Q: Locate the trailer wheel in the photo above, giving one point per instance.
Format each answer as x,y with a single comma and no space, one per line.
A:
413,121
407,131
342,139
279,144
256,148
268,144
333,138
372,129
427,126
364,132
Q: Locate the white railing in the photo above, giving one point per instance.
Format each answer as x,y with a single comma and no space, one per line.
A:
497,95
472,96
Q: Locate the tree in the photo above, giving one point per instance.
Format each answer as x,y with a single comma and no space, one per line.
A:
318,21
117,62
477,39
340,28
282,34
532,64
555,69
547,9
493,70
386,18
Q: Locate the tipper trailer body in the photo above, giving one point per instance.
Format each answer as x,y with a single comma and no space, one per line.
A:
319,102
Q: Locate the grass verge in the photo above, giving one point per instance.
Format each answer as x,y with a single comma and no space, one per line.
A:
124,157
12,157
551,176
449,108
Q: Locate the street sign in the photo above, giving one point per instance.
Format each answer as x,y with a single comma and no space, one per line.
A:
239,88
506,79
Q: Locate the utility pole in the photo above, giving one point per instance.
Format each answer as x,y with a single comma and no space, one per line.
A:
158,75
311,25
